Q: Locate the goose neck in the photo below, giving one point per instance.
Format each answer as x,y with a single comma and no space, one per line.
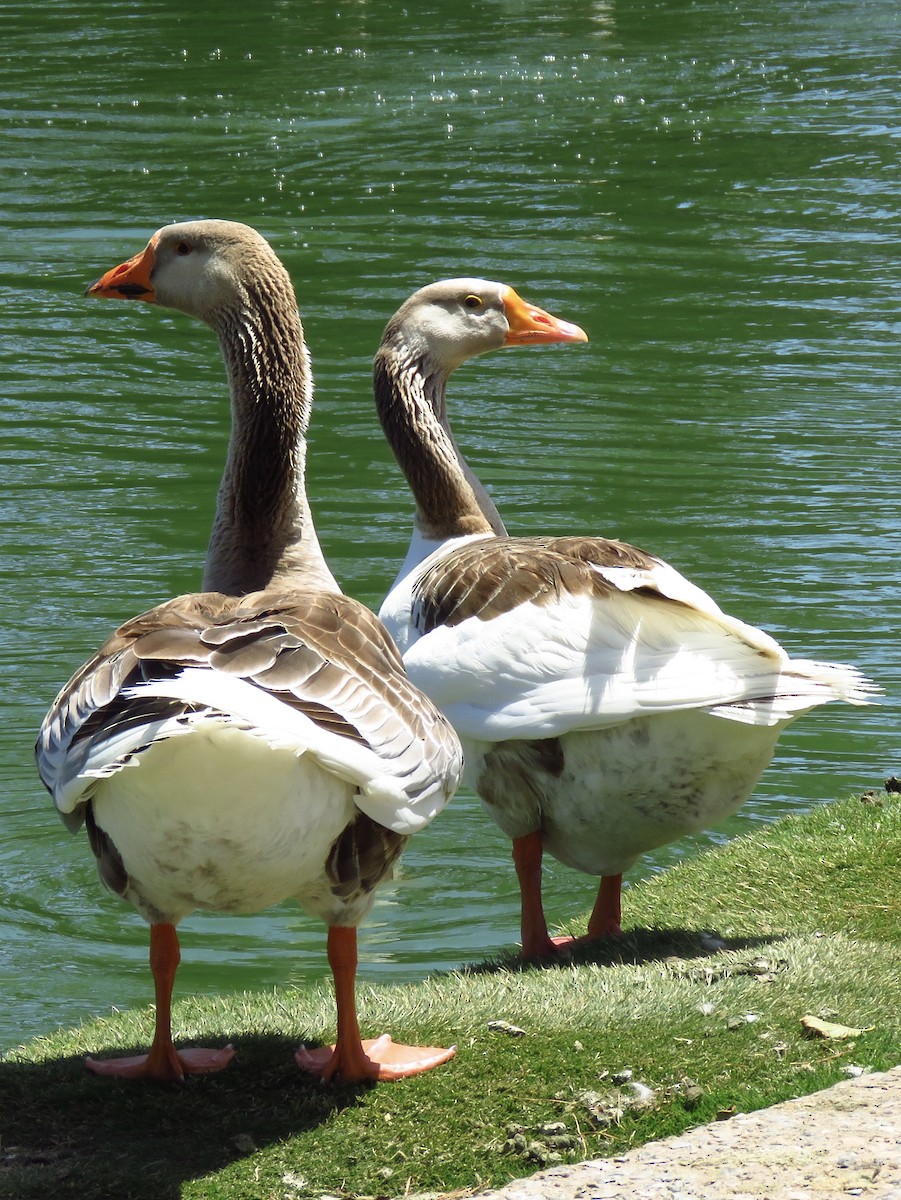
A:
263,533
411,400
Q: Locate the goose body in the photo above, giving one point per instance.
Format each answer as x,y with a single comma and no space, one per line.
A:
257,741
606,705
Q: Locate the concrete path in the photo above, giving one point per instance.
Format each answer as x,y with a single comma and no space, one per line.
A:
836,1144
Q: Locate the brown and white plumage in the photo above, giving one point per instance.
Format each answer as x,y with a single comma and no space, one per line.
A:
259,740
606,705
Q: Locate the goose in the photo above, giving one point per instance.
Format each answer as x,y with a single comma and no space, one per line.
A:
258,740
606,705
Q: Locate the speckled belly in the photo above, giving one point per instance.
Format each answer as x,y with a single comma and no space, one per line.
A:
218,819
603,797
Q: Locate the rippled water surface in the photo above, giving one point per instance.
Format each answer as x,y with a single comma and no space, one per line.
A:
710,189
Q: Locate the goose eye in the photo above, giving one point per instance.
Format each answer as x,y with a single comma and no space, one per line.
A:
473,302
182,248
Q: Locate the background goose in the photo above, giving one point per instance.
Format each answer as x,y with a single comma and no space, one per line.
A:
606,705
258,740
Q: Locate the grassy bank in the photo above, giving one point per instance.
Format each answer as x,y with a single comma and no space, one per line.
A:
808,910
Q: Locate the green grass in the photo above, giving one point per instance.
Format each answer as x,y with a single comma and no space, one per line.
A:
809,912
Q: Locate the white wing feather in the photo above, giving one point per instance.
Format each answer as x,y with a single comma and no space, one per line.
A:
230,699
584,662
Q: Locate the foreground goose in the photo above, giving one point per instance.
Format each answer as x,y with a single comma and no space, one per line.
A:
258,740
605,704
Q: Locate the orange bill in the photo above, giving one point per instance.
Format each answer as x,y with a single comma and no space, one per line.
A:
129,281
530,325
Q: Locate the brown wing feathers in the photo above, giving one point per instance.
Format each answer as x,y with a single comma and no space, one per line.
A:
487,578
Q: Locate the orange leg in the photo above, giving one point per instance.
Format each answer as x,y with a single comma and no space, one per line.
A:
527,854
352,1060
607,912
536,941
163,1062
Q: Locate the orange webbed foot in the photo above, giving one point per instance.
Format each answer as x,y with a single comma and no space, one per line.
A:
537,949
560,947
168,1066
375,1059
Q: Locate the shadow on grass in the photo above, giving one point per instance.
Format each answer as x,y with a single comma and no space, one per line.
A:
67,1133
634,947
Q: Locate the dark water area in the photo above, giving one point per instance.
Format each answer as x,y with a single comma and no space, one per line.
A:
710,189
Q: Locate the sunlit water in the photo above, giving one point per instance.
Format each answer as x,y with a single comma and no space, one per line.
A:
711,190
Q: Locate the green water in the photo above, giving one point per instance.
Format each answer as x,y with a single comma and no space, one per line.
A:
711,189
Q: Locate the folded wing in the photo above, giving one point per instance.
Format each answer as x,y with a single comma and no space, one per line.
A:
311,671
535,637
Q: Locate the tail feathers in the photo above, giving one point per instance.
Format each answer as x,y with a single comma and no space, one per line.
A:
802,685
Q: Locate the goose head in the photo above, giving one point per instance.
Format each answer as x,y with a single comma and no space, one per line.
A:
446,323
202,268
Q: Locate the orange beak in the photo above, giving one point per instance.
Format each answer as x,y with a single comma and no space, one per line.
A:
129,281
530,325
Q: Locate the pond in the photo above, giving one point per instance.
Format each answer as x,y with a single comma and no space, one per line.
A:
710,190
